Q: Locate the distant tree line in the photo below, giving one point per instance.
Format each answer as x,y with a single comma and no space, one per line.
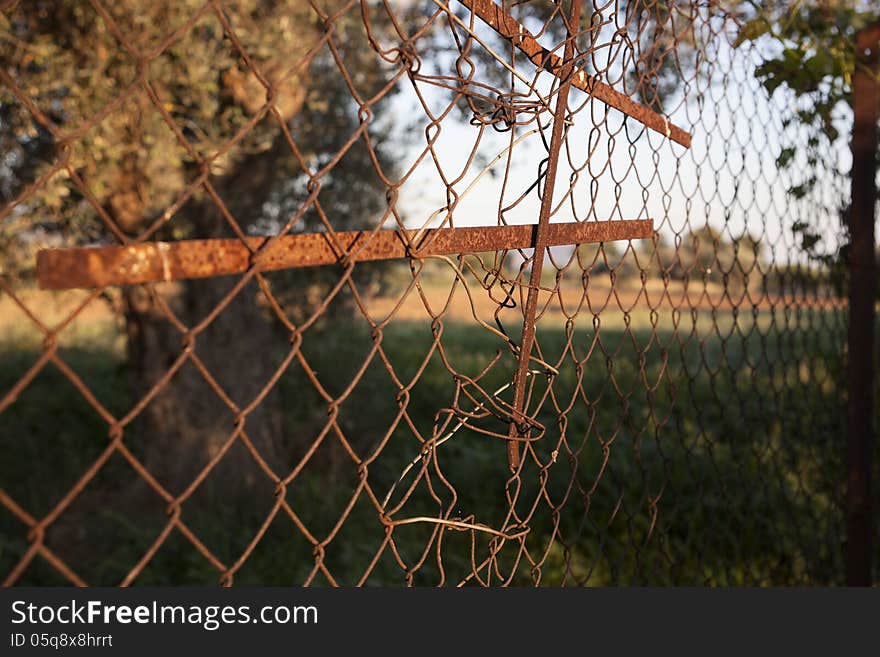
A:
706,254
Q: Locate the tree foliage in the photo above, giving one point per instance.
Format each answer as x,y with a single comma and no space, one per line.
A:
813,56
147,127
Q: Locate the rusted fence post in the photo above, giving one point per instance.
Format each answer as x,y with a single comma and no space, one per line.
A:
540,242
862,294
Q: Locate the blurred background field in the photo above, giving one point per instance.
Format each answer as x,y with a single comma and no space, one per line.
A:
680,476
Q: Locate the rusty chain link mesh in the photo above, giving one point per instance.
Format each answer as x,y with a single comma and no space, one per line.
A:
683,408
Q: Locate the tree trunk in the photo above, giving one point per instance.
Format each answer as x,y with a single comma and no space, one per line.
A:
187,422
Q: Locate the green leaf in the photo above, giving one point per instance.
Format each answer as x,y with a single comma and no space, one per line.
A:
752,30
809,241
798,191
785,157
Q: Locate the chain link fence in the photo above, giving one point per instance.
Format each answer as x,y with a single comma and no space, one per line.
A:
308,344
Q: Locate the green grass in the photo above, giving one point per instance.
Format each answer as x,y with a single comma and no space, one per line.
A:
707,455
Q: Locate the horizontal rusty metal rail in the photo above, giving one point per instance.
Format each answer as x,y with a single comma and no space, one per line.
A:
509,28
100,266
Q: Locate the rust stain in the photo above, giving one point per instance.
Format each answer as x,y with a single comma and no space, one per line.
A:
101,266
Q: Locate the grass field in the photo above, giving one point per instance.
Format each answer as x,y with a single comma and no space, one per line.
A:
699,446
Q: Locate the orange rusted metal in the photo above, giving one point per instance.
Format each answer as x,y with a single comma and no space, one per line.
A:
101,266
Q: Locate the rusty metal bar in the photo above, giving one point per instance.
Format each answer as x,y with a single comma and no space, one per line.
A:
100,266
511,29
520,429
862,294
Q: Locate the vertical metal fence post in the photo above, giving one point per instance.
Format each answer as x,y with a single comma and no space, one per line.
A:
540,242
862,294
